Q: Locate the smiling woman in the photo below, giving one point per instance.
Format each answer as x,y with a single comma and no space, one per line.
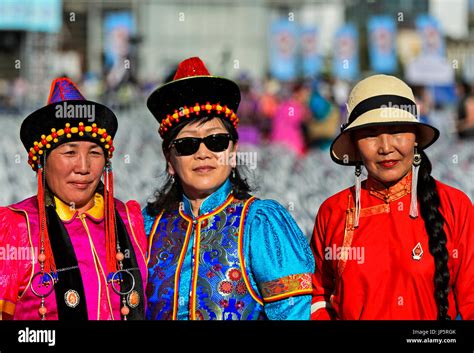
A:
73,171
216,252
199,167
386,152
76,231
415,232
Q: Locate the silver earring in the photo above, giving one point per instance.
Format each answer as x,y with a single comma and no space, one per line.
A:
416,158
172,179
414,183
233,173
358,172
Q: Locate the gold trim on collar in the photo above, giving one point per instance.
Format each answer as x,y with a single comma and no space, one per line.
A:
394,192
67,213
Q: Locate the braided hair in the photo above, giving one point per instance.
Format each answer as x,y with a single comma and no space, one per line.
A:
429,208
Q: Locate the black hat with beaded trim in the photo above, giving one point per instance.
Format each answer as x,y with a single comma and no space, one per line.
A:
194,92
68,116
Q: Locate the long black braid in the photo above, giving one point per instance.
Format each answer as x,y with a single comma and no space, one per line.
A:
434,221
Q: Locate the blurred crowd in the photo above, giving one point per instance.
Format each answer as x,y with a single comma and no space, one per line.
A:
288,126
299,116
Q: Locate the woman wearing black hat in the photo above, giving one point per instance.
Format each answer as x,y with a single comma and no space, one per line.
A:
79,253
399,245
216,252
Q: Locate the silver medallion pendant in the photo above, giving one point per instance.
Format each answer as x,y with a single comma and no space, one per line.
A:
417,252
133,299
71,297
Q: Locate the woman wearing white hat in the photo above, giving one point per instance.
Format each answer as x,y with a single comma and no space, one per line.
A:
398,245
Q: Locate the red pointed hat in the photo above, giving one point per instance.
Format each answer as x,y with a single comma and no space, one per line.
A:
68,116
194,92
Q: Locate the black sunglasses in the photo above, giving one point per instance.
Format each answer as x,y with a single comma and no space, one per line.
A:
187,146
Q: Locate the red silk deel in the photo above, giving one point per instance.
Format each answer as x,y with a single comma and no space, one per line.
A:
383,269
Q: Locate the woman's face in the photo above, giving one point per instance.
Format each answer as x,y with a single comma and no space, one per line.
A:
73,171
386,151
205,171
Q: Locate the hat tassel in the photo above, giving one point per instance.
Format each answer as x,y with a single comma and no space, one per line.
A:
45,258
109,219
358,172
414,182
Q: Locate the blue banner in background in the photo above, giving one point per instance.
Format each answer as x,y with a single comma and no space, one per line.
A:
31,15
431,68
283,50
118,28
312,60
345,64
444,95
431,35
381,38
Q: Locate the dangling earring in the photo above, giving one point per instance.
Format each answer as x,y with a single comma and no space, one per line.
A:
172,179
233,173
358,172
414,182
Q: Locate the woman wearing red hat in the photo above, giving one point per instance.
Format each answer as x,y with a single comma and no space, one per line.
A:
399,245
216,252
78,252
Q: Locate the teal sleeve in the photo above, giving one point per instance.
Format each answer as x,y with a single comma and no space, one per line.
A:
280,261
148,221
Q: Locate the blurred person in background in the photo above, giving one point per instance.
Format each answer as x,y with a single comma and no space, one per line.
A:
216,252
268,106
324,125
79,253
6,100
398,246
19,91
465,123
290,117
424,100
249,117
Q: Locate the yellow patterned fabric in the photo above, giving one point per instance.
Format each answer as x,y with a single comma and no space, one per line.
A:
286,287
7,309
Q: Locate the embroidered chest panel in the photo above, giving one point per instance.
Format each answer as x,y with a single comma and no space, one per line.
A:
219,284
